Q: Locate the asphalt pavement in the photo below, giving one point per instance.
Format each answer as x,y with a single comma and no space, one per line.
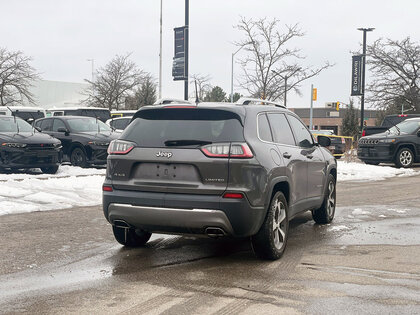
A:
366,262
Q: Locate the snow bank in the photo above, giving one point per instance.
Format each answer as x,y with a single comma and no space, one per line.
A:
363,172
70,187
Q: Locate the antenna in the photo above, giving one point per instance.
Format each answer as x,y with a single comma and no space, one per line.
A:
197,100
13,113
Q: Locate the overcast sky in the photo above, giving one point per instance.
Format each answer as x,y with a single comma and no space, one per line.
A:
60,35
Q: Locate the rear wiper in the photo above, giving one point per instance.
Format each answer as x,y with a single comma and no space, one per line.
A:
170,143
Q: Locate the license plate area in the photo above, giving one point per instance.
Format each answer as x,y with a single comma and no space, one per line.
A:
166,172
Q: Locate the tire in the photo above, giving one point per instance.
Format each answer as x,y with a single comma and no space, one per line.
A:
78,157
50,169
325,214
271,240
131,237
404,158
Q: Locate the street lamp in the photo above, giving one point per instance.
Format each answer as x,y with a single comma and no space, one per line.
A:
285,77
362,101
231,77
93,67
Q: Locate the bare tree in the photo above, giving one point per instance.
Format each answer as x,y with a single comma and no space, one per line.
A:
16,78
203,84
270,62
395,66
114,83
144,95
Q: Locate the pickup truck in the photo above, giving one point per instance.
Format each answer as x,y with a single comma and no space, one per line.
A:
388,122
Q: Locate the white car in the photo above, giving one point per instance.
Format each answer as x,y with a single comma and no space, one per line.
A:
120,123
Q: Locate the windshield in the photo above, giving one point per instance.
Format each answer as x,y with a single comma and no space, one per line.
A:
8,124
87,125
407,126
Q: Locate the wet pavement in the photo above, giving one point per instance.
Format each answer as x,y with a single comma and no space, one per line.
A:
367,261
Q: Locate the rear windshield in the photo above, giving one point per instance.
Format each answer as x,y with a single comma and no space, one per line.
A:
152,127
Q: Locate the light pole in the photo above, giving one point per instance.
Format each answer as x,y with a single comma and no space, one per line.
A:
93,67
160,54
187,31
285,77
362,101
231,76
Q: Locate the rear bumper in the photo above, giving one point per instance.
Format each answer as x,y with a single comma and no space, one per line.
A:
182,213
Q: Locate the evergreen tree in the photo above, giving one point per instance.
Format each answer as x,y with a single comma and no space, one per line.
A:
216,94
350,124
236,97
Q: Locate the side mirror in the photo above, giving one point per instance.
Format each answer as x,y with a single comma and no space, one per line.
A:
324,141
62,129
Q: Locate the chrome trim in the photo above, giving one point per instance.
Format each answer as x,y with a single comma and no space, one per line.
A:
275,143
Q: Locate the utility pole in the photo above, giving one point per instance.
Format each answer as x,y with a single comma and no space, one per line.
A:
312,104
187,31
285,77
362,102
160,53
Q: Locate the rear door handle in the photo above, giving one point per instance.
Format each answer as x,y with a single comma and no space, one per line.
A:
287,155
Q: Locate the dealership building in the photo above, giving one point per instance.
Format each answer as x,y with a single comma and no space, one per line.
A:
49,94
330,119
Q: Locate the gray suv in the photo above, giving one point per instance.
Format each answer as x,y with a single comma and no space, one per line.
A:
217,169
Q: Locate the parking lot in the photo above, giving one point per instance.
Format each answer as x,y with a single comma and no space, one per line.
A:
366,261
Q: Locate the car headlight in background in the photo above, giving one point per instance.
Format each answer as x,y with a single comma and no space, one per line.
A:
13,145
386,140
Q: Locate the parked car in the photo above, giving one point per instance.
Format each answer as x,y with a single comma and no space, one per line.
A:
102,114
122,113
85,139
27,113
399,144
217,169
338,144
119,123
388,122
23,147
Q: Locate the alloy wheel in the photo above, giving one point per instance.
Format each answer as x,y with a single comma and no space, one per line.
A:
279,223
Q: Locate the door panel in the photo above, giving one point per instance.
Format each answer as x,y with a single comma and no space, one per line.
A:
316,171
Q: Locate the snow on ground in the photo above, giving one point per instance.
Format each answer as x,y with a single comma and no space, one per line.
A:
70,187
75,186
363,172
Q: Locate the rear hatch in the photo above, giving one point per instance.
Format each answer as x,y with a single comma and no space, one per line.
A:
177,150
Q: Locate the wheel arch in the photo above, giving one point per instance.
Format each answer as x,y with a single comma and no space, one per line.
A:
408,146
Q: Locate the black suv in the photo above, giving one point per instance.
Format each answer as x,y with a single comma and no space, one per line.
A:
23,147
85,139
217,169
399,144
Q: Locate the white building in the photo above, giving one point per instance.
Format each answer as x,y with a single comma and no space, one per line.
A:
49,94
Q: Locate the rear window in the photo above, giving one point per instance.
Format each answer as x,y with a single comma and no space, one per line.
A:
152,127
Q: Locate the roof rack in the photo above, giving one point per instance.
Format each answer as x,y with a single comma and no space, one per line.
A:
164,101
247,101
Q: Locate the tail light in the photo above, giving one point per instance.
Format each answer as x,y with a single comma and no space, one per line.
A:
403,115
364,133
224,150
120,147
343,141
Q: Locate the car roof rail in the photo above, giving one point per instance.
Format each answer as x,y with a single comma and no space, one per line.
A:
248,100
164,101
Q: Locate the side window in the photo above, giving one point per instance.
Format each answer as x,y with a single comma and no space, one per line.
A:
281,129
264,131
303,137
37,123
58,123
46,125
58,114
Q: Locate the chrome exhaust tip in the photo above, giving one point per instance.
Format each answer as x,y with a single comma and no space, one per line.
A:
215,232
